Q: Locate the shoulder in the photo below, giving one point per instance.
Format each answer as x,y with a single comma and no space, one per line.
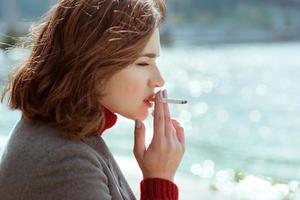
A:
69,172
37,141
52,166
73,154
39,147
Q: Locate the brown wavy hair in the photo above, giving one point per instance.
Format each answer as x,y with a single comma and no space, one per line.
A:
78,46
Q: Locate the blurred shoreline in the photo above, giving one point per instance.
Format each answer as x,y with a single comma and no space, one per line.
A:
188,22
221,188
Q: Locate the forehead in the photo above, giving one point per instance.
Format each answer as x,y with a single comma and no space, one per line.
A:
152,47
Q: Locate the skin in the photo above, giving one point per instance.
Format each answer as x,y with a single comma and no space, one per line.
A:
131,86
128,89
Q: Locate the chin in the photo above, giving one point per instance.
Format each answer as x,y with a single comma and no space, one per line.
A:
140,116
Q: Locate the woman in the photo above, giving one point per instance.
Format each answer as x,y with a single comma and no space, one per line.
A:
90,60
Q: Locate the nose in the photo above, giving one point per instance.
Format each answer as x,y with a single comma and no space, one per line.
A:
157,81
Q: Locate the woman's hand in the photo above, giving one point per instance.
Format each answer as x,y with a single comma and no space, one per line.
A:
163,156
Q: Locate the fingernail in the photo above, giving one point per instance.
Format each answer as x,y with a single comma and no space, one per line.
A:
138,124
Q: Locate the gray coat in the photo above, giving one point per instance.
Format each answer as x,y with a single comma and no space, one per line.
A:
38,163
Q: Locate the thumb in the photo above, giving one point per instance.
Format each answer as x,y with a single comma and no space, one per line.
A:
139,139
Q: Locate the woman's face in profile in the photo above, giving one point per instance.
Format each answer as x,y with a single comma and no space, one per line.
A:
128,89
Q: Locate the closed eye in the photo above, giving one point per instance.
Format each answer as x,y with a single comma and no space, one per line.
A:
143,64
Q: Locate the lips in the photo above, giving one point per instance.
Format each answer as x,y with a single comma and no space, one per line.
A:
148,103
150,99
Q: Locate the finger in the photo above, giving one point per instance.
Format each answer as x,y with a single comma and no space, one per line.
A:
179,131
139,140
168,123
175,122
159,123
180,135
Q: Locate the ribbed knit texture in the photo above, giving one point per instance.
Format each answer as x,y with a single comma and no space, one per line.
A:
151,188
158,189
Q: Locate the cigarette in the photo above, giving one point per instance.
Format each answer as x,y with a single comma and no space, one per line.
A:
174,101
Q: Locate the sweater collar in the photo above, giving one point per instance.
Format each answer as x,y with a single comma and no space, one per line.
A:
110,120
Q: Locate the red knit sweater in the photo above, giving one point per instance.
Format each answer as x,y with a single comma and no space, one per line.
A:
151,188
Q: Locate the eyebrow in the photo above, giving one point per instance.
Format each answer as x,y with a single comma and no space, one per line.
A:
150,55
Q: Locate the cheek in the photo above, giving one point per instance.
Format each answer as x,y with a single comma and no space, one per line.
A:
134,85
133,92
131,83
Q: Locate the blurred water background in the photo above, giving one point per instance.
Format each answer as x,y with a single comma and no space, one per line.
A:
239,72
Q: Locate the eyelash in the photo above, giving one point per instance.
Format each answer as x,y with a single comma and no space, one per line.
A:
143,64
